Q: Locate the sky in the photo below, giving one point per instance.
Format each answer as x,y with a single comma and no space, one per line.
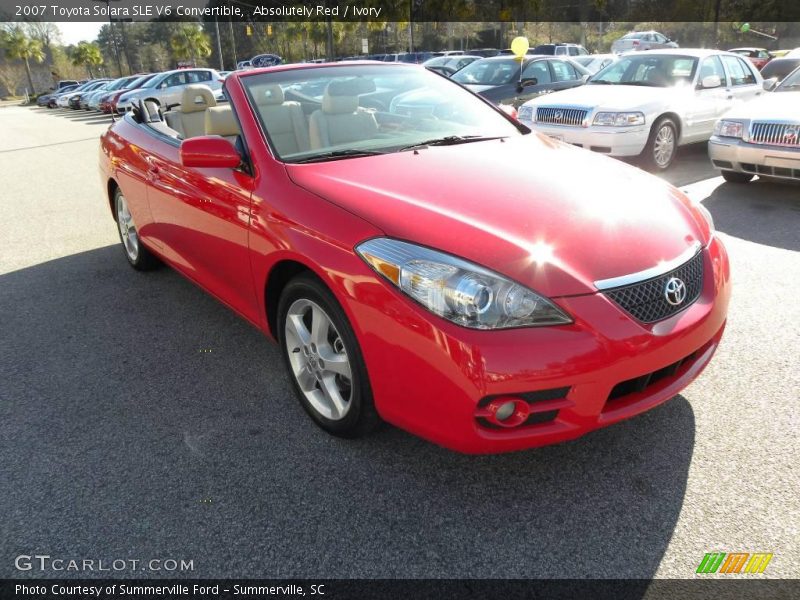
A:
72,33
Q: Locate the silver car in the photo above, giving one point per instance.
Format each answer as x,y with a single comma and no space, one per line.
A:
642,40
166,88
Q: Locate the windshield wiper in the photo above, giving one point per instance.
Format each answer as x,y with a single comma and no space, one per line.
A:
452,140
602,81
336,155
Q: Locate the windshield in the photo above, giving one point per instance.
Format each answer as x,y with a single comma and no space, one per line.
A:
154,81
335,112
791,83
654,70
138,82
779,68
489,72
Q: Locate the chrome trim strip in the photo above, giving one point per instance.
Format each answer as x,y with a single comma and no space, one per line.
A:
652,272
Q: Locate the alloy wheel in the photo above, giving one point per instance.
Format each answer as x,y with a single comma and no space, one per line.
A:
127,228
664,146
318,359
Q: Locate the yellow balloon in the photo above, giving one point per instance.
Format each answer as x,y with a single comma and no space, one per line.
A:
519,46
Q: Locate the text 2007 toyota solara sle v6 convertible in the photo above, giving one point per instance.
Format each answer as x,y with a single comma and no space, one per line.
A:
445,270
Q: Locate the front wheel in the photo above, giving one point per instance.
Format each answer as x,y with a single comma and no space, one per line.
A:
736,177
662,145
139,257
324,359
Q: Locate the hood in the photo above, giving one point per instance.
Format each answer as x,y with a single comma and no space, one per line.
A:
610,97
550,216
773,105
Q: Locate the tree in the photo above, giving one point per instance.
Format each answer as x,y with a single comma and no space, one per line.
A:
87,54
18,45
189,41
11,76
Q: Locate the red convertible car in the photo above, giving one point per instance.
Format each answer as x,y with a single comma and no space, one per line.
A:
442,268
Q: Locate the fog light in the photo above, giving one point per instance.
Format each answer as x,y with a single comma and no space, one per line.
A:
506,410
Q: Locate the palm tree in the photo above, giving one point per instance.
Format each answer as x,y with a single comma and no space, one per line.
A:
89,55
18,45
189,41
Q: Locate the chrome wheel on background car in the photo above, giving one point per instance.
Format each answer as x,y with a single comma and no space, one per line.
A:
318,358
662,146
324,358
138,256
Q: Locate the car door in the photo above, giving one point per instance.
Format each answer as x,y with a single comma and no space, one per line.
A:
539,70
706,104
744,84
201,218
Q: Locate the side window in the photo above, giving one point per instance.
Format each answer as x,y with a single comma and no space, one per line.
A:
562,71
561,50
711,66
660,38
176,79
198,76
537,69
747,67
582,51
573,51
763,54
736,70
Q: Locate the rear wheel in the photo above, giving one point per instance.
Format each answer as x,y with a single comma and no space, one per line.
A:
662,146
736,177
324,359
139,257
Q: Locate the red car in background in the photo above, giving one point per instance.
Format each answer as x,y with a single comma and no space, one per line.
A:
444,272
758,56
109,105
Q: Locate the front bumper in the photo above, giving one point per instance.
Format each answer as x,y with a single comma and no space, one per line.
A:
614,141
731,154
434,378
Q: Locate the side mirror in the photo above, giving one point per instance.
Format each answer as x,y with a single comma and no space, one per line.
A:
770,84
527,83
711,81
209,152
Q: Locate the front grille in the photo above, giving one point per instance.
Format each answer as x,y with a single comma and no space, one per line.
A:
647,300
560,116
624,389
771,171
775,134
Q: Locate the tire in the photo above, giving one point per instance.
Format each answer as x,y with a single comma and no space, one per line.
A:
139,257
736,177
340,405
653,153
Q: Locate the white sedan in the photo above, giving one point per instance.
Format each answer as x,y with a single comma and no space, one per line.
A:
761,138
165,89
647,103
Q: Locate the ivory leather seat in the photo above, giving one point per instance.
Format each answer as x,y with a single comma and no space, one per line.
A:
190,120
341,120
284,120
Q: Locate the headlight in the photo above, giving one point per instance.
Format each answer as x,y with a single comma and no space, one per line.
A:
459,291
619,119
733,129
525,113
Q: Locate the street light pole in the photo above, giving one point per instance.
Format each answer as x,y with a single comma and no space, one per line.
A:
219,46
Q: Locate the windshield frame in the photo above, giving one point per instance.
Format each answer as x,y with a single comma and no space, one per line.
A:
286,77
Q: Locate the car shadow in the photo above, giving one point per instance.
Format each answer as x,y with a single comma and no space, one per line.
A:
763,211
139,417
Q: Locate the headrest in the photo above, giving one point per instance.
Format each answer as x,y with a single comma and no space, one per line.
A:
336,105
197,97
268,95
355,86
220,121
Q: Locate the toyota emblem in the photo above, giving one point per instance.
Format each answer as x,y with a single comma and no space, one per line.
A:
675,291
